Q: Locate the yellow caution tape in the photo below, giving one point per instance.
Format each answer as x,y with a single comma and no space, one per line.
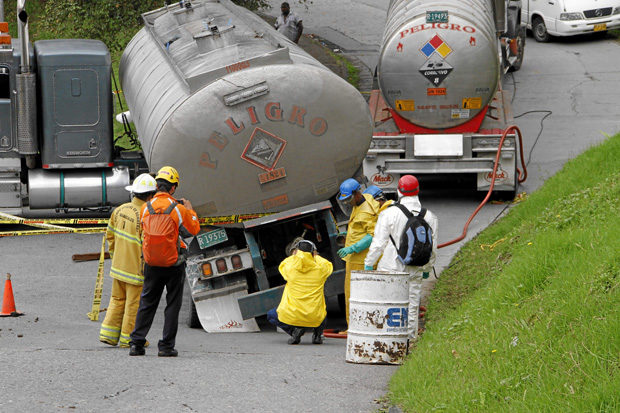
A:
70,221
54,229
492,246
36,223
231,219
94,314
520,198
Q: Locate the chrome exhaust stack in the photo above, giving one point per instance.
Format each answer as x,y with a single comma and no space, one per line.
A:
27,142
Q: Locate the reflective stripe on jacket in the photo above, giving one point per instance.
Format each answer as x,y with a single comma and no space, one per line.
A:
303,299
124,242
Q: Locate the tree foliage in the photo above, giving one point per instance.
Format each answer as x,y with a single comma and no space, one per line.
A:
114,22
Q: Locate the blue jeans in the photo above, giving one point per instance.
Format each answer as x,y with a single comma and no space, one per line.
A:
272,316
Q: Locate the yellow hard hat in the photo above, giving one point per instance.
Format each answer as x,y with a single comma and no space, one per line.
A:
169,174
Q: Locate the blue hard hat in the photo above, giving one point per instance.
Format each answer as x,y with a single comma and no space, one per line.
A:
347,188
374,191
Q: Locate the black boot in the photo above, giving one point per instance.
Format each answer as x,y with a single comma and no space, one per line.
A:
136,350
296,335
317,336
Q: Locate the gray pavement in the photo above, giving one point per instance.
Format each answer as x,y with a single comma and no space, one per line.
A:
58,365
51,359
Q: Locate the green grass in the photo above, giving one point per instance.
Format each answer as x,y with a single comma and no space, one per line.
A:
533,323
352,71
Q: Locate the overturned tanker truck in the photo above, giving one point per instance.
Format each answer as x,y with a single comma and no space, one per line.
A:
439,107
256,128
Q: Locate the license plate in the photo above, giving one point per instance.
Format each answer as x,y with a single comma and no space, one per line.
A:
600,27
211,238
436,16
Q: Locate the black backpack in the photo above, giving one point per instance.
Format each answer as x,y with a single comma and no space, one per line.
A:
416,240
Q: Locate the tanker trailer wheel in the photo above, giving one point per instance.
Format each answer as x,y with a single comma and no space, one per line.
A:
520,39
539,30
192,317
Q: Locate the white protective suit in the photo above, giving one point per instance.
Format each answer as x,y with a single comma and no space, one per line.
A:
392,221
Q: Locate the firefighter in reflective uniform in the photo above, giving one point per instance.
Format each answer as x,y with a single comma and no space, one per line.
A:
172,278
303,300
392,222
125,247
360,230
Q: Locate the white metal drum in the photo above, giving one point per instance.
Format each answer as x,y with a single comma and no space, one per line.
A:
378,317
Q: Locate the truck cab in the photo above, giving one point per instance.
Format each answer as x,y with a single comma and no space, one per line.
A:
547,18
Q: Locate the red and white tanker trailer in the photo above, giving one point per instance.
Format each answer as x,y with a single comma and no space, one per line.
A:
439,108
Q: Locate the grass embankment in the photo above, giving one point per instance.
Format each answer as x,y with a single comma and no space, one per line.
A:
528,316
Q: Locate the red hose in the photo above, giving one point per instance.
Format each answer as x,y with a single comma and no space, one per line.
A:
522,178
331,333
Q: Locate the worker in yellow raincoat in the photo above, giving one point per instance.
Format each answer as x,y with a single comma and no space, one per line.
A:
125,245
361,228
303,300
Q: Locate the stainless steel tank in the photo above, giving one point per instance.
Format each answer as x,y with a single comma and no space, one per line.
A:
439,65
78,188
251,122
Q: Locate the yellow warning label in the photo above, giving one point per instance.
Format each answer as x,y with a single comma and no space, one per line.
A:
405,105
472,103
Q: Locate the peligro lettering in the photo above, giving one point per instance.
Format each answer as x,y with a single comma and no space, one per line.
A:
272,112
441,26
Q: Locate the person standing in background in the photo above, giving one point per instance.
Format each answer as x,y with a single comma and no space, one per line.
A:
289,24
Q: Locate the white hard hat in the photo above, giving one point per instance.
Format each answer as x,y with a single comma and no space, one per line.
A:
143,183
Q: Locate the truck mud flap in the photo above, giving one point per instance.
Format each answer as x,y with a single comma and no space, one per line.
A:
218,310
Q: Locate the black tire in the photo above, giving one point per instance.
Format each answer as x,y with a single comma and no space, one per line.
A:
520,50
539,30
192,317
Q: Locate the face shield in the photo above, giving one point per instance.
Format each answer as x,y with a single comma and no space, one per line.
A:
346,204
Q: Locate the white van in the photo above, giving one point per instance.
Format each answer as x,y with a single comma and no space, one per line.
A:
548,18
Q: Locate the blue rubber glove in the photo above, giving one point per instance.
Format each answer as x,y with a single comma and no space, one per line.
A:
343,252
368,268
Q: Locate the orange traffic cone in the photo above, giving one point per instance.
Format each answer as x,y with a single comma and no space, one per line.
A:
8,303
